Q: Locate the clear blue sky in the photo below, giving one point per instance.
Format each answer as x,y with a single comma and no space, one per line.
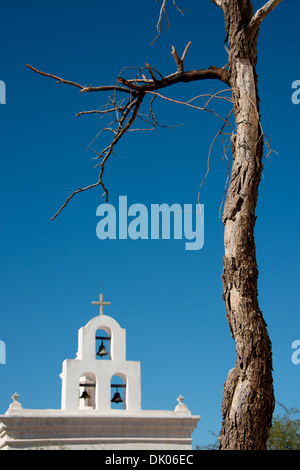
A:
168,299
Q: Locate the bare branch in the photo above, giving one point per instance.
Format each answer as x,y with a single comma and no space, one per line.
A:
161,12
185,51
177,8
201,108
219,133
98,111
59,80
79,190
127,111
158,25
82,88
228,169
202,74
261,14
151,73
105,154
179,61
105,88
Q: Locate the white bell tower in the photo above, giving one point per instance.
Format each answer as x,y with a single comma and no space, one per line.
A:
94,414
88,382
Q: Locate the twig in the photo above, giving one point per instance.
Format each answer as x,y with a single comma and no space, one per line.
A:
226,122
79,190
151,73
177,59
59,80
188,103
105,154
185,51
158,25
81,87
161,12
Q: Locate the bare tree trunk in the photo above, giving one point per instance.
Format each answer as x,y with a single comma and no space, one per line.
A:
248,398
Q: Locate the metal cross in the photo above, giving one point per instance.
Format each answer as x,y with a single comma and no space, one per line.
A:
101,303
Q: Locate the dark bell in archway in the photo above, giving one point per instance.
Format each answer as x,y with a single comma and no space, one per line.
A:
84,394
117,398
102,350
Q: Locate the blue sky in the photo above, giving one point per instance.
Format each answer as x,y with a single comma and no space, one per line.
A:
168,299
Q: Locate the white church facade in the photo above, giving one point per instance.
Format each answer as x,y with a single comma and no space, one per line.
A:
100,403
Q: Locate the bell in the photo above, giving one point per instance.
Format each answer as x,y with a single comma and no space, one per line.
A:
84,394
117,398
102,350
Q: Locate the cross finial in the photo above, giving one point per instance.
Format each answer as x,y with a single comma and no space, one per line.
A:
101,303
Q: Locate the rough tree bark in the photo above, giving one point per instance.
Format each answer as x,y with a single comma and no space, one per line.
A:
248,397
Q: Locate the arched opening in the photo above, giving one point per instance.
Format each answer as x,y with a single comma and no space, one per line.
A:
87,391
118,392
103,344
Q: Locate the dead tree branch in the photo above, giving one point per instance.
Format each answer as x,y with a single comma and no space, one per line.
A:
261,14
127,111
162,12
200,108
59,80
179,61
219,133
83,88
184,77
